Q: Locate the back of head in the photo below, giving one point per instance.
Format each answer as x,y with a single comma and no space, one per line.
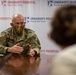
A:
64,26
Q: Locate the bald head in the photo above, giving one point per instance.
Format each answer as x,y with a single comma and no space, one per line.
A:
17,20
17,17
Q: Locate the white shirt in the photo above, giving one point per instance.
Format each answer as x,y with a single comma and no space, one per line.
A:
65,62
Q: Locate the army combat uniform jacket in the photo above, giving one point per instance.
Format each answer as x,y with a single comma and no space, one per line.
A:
8,39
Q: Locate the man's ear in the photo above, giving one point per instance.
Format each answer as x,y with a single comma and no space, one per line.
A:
11,24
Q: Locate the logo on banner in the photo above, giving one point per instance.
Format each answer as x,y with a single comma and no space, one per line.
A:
16,3
27,19
3,2
50,2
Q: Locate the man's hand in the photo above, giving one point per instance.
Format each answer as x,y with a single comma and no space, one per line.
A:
15,49
31,51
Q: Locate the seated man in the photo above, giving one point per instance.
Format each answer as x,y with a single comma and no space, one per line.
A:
10,38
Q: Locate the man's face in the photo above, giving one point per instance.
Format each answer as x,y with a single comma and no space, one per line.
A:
18,25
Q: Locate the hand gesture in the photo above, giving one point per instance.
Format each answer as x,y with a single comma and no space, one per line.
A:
15,49
31,51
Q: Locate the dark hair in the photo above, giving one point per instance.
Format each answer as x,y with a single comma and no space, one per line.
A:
64,26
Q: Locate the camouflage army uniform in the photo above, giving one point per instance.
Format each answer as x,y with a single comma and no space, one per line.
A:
8,39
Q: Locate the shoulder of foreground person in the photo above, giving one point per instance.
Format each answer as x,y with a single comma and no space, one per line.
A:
68,53
65,62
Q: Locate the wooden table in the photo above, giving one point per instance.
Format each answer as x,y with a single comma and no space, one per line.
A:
26,65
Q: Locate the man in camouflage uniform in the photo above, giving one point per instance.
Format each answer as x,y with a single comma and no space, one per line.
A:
11,38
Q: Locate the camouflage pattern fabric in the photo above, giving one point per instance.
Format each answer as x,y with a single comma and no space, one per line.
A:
8,39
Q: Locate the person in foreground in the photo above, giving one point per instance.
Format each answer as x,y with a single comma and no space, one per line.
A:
11,38
64,34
